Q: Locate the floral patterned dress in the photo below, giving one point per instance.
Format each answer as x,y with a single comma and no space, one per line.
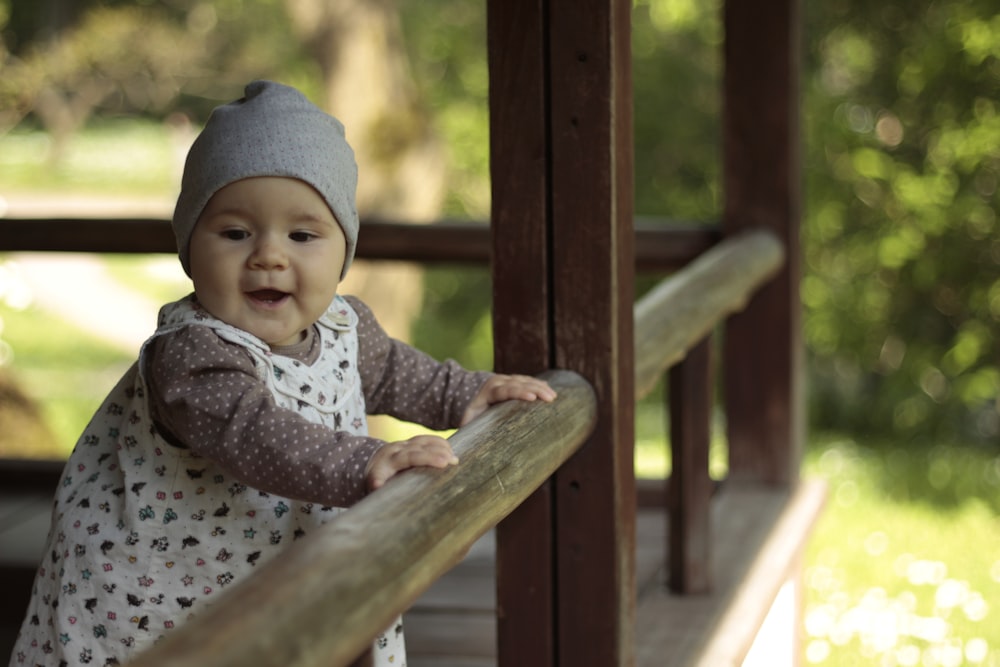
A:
145,533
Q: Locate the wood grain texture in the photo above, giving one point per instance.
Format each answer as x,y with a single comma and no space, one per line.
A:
522,284
591,148
684,308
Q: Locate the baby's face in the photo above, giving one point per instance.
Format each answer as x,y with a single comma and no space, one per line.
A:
266,257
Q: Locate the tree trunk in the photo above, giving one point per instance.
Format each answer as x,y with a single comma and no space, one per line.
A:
63,114
359,47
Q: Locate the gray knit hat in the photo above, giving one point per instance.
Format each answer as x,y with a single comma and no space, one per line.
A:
272,131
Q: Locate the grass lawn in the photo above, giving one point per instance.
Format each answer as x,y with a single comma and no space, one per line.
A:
113,157
904,566
903,569
69,371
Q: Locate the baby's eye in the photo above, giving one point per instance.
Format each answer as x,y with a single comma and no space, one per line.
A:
302,237
234,234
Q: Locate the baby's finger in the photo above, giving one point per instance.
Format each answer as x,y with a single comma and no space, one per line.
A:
541,389
395,457
525,388
427,450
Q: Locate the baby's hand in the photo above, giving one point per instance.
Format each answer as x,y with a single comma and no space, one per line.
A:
500,388
395,457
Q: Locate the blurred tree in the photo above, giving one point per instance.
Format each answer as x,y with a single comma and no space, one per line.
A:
112,52
446,43
38,21
902,164
902,292
123,57
676,62
368,84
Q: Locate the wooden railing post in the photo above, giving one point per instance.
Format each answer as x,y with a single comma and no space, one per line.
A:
561,147
763,348
521,309
593,296
690,487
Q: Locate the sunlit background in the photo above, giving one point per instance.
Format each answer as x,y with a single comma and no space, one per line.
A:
901,293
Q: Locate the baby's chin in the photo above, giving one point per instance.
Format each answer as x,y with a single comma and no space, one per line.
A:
295,339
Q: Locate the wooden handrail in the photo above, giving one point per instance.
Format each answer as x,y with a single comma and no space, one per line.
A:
683,308
661,245
323,600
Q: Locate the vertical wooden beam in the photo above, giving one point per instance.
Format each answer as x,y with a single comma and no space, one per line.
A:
690,487
521,267
763,346
561,161
593,260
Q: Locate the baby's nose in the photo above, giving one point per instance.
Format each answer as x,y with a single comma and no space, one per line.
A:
268,253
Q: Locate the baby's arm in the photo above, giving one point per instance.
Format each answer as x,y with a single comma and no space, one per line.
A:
406,383
436,452
410,385
205,396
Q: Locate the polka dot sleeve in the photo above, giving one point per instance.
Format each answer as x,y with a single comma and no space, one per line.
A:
206,394
408,384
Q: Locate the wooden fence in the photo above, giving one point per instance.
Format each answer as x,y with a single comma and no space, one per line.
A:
371,563
505,455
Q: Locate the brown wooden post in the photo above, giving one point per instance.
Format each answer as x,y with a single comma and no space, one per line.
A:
563,263
689,490
763,346
593,265
521,308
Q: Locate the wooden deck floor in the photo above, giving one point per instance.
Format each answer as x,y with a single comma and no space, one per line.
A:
24,525
757,535
452,625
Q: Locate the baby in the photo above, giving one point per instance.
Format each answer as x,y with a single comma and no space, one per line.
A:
242,426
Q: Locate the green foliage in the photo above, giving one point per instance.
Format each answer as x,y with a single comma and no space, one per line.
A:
139,58
676,63
119,55
454,321
902,163
446,41
902,289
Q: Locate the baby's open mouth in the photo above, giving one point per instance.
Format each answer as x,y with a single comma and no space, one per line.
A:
267,295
